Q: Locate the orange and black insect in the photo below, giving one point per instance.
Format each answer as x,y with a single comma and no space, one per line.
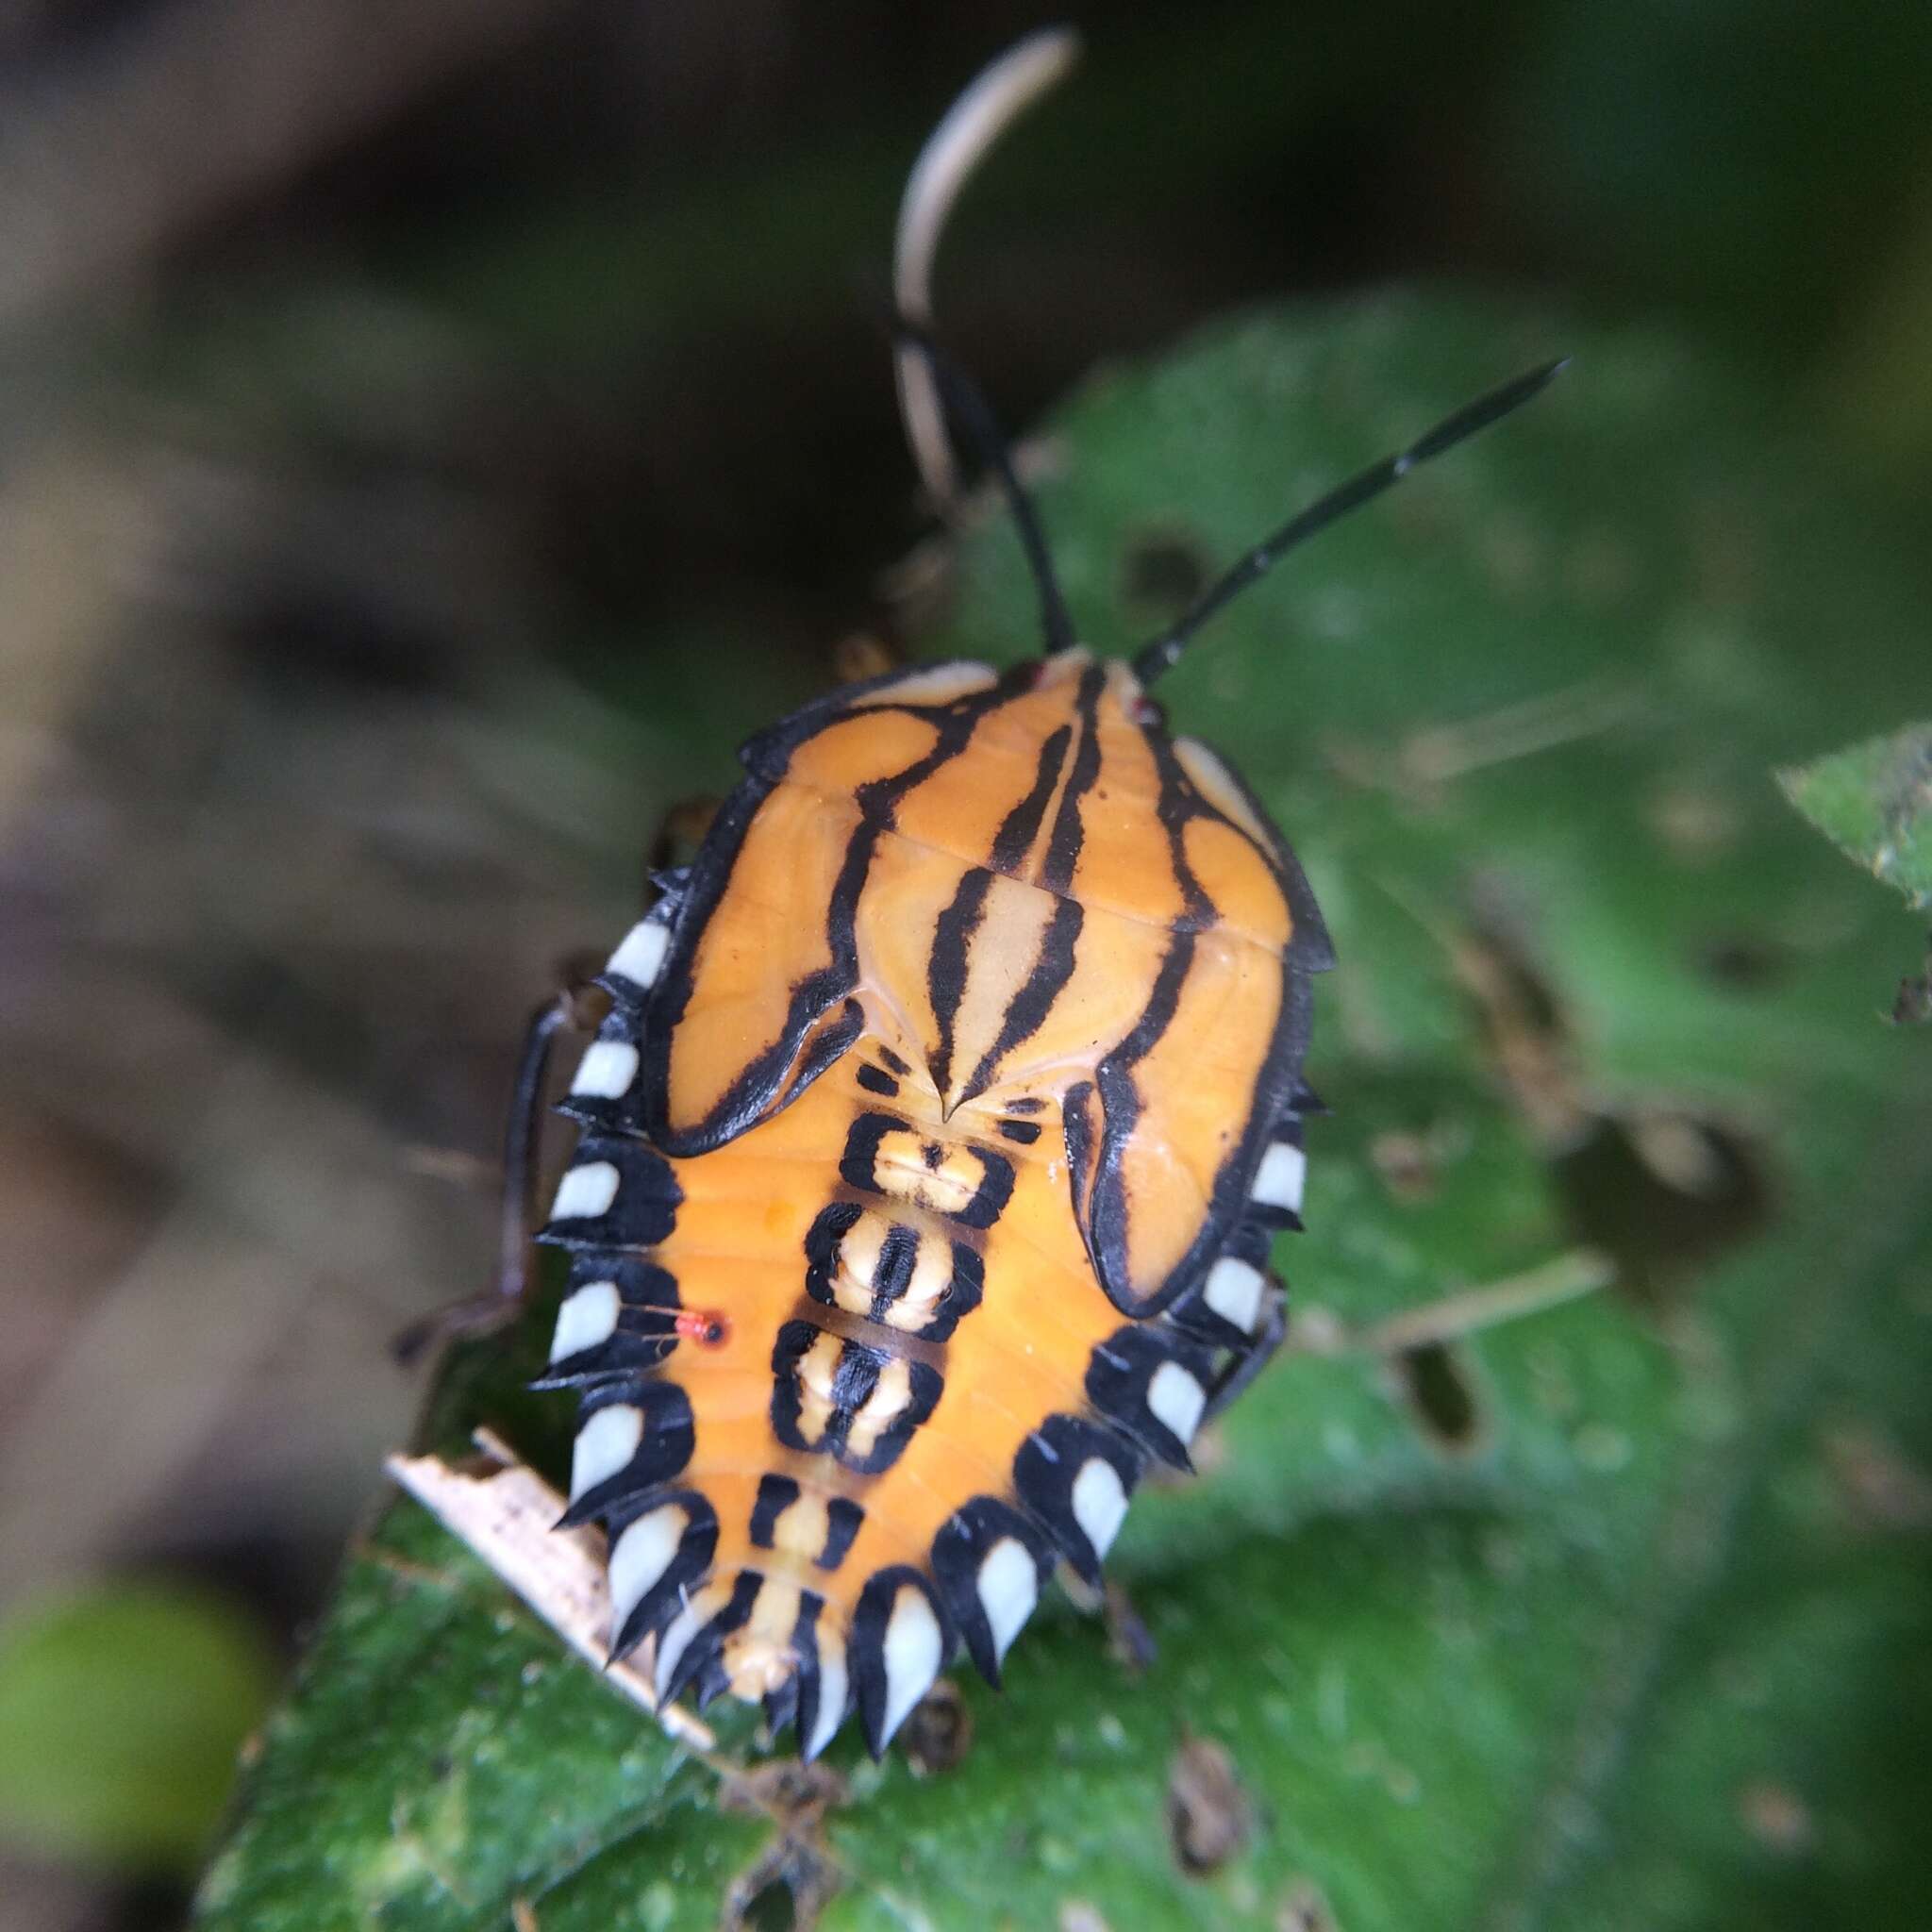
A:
932,1151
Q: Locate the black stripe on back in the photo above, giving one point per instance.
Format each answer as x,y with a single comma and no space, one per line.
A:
1022,826
1027,1012
945,966
1063,847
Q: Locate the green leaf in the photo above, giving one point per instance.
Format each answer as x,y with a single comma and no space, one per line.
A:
1642,1644
1874,802
122,1707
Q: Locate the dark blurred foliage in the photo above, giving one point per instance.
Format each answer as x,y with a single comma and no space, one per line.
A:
414,412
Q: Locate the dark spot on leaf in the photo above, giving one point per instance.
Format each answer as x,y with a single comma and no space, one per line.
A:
783,1890
1744,963
774,1908
1438,1389
786,1887
939,1732
1209,1817
1162,571
1662,1194
1913,1006
1659,1192
1523,1018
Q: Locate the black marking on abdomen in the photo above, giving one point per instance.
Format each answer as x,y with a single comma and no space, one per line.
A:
843,1518
777,1494
1152,1384
691,1557
959,1552
873,1164
834,1395
702,1663
666,1438
647,1302
1048,1476
640,1196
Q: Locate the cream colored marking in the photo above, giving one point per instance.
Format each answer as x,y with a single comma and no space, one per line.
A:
758,1655
677,1639
833,1685
698,1610
607,1070
891,1396
802,1527
899,1169
859,1263
912,1650
926,1286
1278,1179
640,1558
1216,784
640,957
814,1373
604,1445
585,1319
585,1191
939,684
1008,1587
1233,1291
1000,958
1099,1503
1175,1400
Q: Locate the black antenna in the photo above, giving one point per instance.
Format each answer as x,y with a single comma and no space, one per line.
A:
1160,655
961,396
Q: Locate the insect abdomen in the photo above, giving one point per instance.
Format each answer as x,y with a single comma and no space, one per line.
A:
860,1399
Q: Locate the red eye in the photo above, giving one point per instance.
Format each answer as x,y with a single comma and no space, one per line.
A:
1146,711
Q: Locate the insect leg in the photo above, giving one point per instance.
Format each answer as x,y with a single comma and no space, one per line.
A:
1252,1357
573,1008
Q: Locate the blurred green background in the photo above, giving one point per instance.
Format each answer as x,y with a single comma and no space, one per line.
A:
434,433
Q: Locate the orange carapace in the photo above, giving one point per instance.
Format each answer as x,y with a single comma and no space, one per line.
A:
932,1150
